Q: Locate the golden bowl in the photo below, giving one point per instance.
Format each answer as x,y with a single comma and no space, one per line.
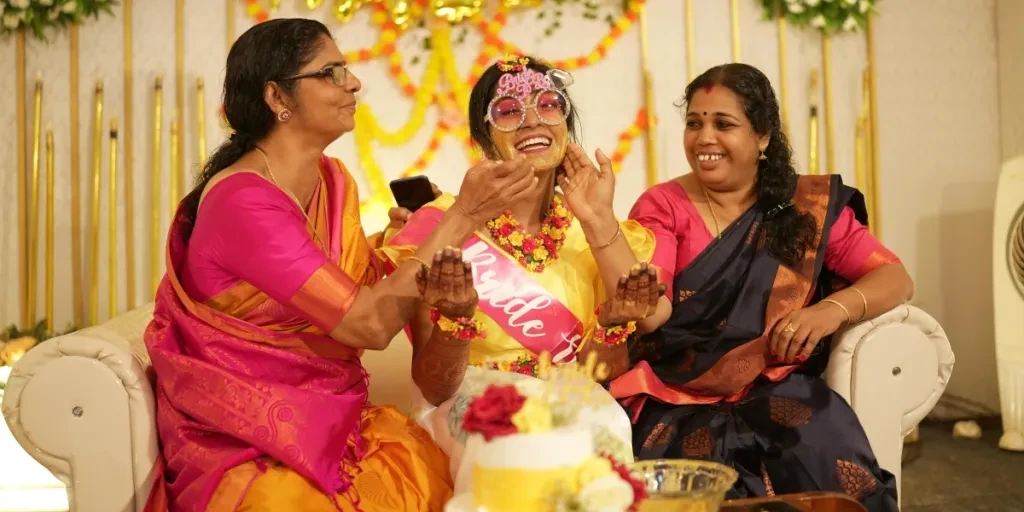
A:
683,485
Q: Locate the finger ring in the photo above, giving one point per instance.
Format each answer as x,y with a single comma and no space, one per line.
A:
790,328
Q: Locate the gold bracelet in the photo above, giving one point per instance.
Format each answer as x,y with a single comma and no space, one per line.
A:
863,299
421,262
849,319
618,231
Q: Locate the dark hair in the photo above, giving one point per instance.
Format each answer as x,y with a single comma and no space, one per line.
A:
789,233
483,92
269,51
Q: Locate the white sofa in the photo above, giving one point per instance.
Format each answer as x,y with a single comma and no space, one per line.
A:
82,404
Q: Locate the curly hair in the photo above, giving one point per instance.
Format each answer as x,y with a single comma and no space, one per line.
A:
788,232
483,92
267,52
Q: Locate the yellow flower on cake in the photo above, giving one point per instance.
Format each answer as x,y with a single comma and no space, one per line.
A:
540,253
516,238
593,469
610,493
533,417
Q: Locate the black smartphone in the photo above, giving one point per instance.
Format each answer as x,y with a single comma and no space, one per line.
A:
413,192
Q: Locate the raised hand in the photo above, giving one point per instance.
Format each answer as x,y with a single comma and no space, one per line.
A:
490,188
448,285
636,297
588,190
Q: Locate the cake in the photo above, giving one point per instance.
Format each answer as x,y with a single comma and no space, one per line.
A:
530,455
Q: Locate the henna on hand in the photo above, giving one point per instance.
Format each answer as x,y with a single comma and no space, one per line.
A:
448,285
614,357
636,297
438,369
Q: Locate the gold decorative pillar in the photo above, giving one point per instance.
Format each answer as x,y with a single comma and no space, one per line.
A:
826,72
874,186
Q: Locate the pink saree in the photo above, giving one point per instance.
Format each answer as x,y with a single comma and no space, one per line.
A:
246,377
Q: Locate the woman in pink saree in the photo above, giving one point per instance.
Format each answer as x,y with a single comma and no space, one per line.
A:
273,292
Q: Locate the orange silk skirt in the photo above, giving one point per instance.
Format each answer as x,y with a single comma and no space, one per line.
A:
403,470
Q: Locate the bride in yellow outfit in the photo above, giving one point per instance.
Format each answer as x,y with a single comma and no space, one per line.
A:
537,273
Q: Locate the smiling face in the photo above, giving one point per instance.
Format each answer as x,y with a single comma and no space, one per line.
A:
720,143
543,135
323,100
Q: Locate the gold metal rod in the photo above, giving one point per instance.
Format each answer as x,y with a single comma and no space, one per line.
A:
48,304
156,245
112,225
76,184
826,72
814,153
19,107
650,134
691,58
129,177
201,120
94,218
33,214
876,198
864,183
231,17
858,153
175,170
780,28
179,89
734,24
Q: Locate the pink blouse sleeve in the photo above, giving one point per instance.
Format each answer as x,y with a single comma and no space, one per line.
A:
253,231
652,212
852,250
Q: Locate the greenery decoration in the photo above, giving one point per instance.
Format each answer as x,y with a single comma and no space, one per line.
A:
829,16
38,16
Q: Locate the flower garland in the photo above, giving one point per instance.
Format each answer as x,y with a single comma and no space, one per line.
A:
534,252
39,15
829,16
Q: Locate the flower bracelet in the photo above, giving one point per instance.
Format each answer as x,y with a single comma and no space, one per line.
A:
462,328
613,335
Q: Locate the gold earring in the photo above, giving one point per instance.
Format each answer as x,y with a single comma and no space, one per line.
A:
762,157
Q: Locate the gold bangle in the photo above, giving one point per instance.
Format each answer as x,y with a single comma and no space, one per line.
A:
864,300
849,319
618,231
421,262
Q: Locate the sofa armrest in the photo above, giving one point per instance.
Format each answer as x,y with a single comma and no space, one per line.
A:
83,407
892,370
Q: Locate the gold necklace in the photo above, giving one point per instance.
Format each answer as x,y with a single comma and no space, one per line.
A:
712,210
270,176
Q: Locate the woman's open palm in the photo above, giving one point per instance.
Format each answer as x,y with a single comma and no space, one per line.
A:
588,189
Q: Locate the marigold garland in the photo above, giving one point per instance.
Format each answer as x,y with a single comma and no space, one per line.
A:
534,252
368,128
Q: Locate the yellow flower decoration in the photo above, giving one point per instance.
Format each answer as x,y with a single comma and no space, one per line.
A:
516,238
540,253
533,417
592,469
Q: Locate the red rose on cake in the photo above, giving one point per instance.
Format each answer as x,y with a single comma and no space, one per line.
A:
491,414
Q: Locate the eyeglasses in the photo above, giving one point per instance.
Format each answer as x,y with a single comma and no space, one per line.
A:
507,113
337,73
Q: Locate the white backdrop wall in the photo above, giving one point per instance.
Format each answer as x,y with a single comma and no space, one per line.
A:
938,110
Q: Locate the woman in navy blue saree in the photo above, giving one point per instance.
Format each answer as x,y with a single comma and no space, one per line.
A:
764,267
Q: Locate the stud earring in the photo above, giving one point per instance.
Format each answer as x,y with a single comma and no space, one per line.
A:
284,115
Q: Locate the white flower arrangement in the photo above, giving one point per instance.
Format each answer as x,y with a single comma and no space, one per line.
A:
39,15
829,16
